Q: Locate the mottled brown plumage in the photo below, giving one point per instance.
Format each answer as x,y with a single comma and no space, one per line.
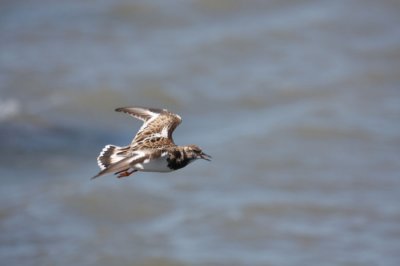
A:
152,149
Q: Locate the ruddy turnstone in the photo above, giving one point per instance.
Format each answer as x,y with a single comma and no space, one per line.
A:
152,149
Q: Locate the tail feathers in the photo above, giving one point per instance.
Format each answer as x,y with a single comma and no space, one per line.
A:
109,155
122,165
113,159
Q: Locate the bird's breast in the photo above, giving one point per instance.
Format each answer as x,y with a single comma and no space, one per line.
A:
154,165
177,162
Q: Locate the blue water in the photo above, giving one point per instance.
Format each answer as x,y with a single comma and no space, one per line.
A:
298,102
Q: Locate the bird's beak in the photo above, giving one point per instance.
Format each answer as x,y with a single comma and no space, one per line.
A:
205,156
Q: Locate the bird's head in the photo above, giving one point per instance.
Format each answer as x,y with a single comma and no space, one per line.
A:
194,152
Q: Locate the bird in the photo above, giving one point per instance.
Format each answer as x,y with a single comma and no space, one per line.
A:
152,149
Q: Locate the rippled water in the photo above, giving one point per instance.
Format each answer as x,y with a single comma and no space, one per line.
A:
297,101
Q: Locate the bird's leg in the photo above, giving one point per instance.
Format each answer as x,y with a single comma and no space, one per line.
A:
125,173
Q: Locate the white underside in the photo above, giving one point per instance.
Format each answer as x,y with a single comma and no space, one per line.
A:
155,165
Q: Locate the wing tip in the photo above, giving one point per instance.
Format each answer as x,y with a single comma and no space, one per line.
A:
151,109
94,177
121,109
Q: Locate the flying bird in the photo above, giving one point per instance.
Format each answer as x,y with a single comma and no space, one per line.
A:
152,149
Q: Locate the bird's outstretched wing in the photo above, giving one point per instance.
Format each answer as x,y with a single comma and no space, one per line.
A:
158,125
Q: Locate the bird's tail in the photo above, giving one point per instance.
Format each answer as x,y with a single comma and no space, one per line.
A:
111,154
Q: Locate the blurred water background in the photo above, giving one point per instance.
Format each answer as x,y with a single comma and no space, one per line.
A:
298,102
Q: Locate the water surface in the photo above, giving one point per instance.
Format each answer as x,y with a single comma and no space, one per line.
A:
298,102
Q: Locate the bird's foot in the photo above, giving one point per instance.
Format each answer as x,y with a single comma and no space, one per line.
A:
125,173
